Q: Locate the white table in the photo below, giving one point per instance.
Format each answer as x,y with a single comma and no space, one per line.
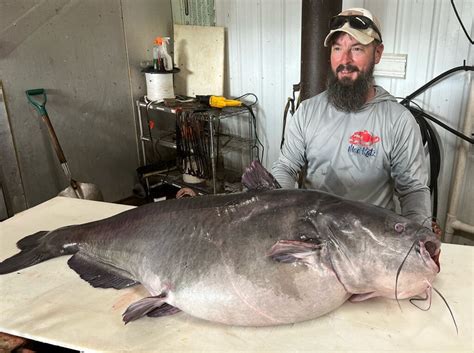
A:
50,303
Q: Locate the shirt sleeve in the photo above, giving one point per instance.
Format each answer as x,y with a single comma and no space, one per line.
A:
409,170
292,156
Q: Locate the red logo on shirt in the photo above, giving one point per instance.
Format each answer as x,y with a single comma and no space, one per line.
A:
363,138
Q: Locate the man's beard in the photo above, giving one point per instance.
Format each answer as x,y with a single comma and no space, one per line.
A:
348,95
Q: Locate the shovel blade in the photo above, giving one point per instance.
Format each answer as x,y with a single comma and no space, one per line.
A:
84,191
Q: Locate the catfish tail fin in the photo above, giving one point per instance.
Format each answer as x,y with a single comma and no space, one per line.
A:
31,241
35,248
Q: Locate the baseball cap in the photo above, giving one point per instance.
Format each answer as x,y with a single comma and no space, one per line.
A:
359,23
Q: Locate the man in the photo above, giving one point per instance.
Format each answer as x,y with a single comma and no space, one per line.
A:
354,139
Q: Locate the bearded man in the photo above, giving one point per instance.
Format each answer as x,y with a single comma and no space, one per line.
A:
354,140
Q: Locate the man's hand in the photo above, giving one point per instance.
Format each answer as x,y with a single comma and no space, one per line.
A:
185,192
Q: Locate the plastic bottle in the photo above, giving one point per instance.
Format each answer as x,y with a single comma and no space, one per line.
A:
162,61
167,60
156,55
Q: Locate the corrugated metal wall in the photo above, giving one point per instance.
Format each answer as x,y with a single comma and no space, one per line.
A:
263,57
263,49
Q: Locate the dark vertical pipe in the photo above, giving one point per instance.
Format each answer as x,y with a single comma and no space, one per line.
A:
314,56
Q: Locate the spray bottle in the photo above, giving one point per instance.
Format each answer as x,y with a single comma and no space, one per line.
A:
161,59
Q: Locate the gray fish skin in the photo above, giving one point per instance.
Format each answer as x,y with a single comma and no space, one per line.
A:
213,257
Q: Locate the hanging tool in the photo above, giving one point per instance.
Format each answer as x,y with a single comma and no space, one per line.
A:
76,189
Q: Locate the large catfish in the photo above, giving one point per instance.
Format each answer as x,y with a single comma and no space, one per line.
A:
261,257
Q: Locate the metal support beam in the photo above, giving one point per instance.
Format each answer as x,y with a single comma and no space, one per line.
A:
314,56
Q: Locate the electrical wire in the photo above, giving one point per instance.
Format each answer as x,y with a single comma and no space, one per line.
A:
245,96
460,22
290,107
249,106
254,123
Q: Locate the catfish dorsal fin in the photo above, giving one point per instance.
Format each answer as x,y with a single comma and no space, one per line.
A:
256,177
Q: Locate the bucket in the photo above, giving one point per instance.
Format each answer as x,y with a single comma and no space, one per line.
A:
159,84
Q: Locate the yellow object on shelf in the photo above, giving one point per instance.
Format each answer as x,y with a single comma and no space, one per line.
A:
221,102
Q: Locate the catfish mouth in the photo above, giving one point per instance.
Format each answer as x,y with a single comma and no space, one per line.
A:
433,250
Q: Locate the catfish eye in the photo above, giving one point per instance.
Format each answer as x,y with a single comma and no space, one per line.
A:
399,227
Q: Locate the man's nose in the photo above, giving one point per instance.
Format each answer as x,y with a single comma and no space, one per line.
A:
346,57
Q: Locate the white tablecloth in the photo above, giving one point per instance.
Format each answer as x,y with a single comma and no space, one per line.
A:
50,303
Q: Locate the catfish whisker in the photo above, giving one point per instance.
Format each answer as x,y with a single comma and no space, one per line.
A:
429,219
398,273
427,297
450,311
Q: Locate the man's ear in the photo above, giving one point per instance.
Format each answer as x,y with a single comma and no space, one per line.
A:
378,52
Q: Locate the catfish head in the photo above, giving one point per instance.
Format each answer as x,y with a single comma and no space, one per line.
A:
368,247
366,244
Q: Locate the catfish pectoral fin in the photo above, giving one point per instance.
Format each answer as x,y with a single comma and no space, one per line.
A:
256,177
289,251
100,274
363,296
144,307
163,310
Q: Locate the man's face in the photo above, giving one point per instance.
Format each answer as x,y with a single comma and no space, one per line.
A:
349,58
350,78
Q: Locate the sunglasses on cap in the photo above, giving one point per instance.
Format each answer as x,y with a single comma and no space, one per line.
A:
355,21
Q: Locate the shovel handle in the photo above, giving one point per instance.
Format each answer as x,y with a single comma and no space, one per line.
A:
39,104
54,139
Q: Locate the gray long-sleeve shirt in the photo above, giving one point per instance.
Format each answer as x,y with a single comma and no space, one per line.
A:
368,155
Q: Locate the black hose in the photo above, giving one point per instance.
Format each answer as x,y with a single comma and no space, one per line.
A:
429,138
428,133
436,79
450,129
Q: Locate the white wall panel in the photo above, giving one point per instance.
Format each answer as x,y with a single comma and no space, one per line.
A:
263,50
264,57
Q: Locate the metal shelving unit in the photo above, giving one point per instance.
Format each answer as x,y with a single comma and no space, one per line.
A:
230,130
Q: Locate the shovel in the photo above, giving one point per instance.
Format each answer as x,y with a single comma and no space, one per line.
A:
76,189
